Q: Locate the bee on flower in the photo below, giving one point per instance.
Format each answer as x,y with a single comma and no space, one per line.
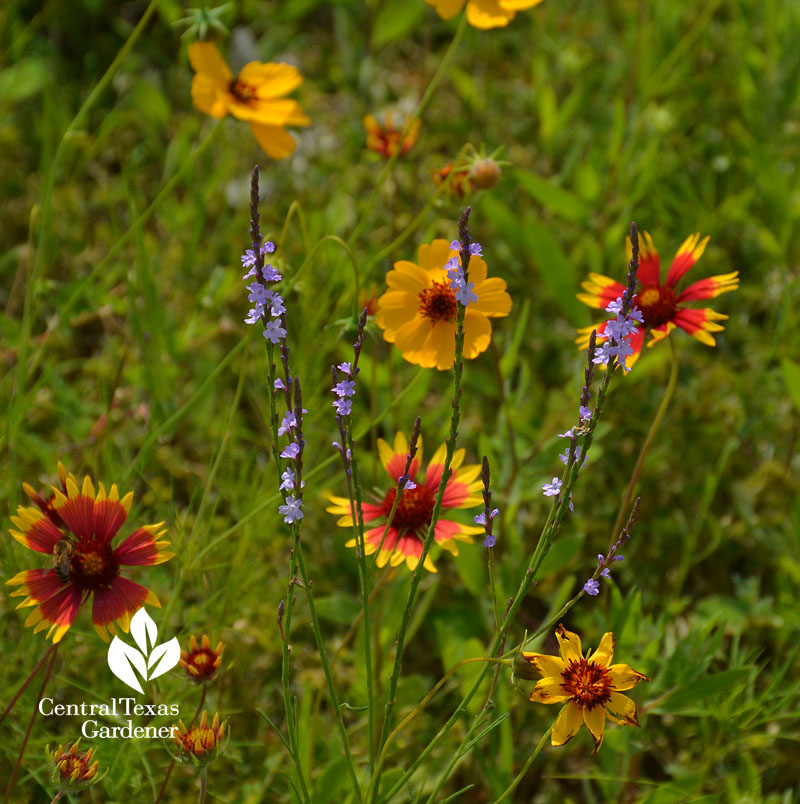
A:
256,95
418,312
483,14
412,518
386,139
661,305
590,687
75,527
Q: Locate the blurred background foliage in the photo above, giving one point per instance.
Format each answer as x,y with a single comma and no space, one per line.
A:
683,117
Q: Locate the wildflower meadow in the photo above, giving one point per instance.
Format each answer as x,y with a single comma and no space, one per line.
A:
401,402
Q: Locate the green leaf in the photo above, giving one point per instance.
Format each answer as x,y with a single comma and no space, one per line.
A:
560,554
558,200
339,609
395,20
791,376
688,699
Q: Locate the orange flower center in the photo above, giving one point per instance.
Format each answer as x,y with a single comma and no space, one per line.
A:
93,565
414,511
198,740
67,764
657,303
243,92
587,683
438,302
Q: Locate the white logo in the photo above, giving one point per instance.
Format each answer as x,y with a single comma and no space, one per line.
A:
150,662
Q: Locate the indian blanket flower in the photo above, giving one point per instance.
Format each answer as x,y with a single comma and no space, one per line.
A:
386,139
460,185
201,662
406,534
662,306
75,529
419,310
591,687
71,772
255,95
483,14
202,743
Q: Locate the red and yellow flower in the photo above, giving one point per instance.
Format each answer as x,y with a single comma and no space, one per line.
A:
75,527
201,662
483,14
662,306
386,139
255,95
460,185
418,313
71,772
202,743
406,534
591,687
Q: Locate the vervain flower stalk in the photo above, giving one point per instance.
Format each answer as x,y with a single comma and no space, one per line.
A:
269,309
604,563
584,432
459,276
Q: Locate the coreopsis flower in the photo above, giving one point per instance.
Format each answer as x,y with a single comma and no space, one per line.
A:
201,662
202,743
483,14
591,687
255,95
386,139
406,534
662,306
71,772
75,528
460,185
419,310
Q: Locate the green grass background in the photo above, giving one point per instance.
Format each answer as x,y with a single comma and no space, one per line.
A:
124,355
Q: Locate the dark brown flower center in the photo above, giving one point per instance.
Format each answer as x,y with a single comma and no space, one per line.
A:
243,92
93,565
587,683
414,510
438,302
657,303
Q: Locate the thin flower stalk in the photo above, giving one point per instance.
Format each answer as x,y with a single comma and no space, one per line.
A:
455,419
525,768
549,530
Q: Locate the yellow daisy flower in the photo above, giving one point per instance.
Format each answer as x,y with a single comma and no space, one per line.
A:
483,14
255,95
591,687
418,313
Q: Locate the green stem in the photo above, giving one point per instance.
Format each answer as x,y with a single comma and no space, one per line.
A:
27,681
521,775
659,417
203,784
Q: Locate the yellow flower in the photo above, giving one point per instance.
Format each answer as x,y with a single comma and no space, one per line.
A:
418,313
255,95
591,687
483,14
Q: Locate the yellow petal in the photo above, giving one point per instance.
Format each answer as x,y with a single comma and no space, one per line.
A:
477,333
595,720
604,652
493,300
621,709
408,277
439,348
569,643
486,14
206,60
624,677
395,310
567,724
271,80
544,664
433,257
274,140
549,690
446,8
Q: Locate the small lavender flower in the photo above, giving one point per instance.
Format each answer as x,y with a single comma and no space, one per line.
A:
345,367
274,332
552,489
566,433
277,306
465,294
288,481
289,422
564,457
279,386
474,248
591,587
291,451
406,483
480,519
292,511
344,388
584,413
343,406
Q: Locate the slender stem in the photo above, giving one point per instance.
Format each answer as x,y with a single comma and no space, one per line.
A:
521,775
58,797
203,783
659,417
25,683
13,780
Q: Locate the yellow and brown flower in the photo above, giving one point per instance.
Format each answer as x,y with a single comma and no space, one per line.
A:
76,527
71,772
255,95
201,662
483,14
406,535
202,743
591,687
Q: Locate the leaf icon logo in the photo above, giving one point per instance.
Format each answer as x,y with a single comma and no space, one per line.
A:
148,660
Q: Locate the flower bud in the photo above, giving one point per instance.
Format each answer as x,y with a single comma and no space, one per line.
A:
69,771
202,743
201,662
485,173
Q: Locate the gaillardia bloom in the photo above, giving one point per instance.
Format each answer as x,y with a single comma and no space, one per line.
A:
386,140
418,313
483,13
202,743
662,306
71,772
201,662
75,528
255,95
590,687
405,536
